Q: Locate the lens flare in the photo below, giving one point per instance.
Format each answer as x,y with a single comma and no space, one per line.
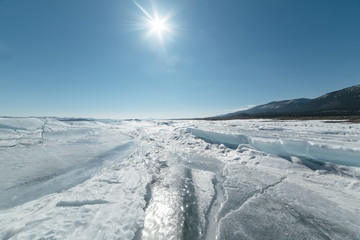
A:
156,24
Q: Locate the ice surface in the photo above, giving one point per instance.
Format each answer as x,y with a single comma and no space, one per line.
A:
65,156
242,179
283,145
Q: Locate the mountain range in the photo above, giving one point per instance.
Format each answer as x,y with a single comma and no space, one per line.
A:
344,102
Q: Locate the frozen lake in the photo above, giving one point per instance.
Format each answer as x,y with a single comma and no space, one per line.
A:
240,179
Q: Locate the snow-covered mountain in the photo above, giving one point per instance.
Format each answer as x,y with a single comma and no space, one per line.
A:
342,102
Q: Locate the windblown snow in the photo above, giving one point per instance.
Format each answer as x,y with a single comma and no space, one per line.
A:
240,179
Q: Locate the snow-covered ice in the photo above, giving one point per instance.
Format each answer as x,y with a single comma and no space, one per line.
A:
240,179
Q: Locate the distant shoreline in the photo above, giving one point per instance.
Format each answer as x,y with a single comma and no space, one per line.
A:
344,119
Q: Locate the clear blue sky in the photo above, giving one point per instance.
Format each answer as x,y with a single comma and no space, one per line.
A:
95,58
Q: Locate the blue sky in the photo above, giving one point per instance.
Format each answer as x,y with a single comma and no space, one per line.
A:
87,58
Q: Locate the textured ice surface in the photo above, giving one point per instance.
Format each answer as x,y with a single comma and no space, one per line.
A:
63,156
285,145
243,179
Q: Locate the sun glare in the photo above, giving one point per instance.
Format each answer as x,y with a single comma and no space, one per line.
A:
158,25
155,24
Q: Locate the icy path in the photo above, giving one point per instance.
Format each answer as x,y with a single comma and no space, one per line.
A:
179,180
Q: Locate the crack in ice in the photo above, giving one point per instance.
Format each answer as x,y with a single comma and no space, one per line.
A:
252,196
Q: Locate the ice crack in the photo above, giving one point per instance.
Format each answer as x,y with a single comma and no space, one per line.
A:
215,204
252,196
272,185
43,130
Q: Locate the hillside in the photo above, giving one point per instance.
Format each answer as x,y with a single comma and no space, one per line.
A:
344,102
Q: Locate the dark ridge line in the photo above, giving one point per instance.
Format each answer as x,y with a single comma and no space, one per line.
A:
306,220
80,203
109,181
35,180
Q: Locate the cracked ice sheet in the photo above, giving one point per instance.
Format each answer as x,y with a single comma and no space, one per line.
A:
107,206
332,190
288,211
81,178
283,197
264,204
66,155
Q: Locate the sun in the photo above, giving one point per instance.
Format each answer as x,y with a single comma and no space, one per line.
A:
157,24
159,27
